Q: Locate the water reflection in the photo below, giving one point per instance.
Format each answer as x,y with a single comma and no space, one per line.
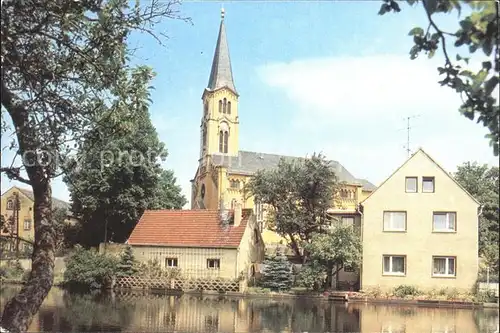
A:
72,312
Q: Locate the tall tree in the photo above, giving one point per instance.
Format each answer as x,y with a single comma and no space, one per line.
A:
479,30
120,176
482,182
65,73
299,193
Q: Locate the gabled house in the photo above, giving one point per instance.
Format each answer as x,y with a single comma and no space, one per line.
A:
201,243
420,228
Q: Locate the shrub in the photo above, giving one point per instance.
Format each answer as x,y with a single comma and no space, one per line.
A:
88,268
152,269
127,264
311,276
13,270
374,292
277,274
452,293
485,296
406,290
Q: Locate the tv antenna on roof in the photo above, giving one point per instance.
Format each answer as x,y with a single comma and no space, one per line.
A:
408,129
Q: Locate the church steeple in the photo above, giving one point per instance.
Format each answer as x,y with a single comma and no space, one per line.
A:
221,74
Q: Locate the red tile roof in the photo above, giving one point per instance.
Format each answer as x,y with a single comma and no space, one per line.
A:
193,228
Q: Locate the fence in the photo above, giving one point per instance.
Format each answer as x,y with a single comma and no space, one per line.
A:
139,282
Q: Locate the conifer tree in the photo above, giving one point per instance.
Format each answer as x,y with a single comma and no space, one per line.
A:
126,267
277,274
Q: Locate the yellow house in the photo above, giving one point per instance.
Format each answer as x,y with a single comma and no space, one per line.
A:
224,169
420,228
23,225
201,243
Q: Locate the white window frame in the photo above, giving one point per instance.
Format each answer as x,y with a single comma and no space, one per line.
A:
10,204
447,266
169,262
393,229
390,272
447,228
416,184
216,263
426,179
27,223
259,211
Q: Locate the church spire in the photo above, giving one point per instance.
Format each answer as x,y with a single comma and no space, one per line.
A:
221,74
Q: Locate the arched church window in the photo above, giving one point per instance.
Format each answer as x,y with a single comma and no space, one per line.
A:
221,142
226,141
228,107
220,106
233,203
224,106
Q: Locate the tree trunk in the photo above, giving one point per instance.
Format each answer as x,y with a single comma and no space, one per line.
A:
19,311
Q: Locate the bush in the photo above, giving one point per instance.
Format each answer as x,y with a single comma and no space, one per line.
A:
452,293
487,296
152,269
277,274
88,268
311,277
13,270
405,290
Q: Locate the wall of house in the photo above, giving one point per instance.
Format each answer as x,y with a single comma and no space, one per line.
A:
251,250
419,243
25,213
192,261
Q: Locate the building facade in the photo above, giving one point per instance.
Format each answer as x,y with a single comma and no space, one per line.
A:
224,169
420,228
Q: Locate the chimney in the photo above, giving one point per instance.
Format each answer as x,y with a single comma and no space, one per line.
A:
237,214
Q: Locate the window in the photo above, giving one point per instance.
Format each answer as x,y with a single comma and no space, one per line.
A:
226,139
428,184
10,204
213,263
444,266
444,222
223,141
171,262
234,184
228,107
394,221
394,265
224,106
348,221
411,184
220,106
27,224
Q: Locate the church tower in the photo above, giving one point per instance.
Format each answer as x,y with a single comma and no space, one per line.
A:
219,123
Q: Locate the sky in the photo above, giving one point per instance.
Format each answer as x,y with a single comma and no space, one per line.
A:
329,77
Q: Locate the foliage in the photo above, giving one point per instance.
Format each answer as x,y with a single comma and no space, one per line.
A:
127,265
477,31
13,270
339,247
311,276
482,182
277,273
66,77
90,269
299,193
406,290
122,177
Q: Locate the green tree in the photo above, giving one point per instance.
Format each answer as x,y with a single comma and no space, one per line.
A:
482,182
66,76
120,177
334,250
127,264
478,31
277,273
299,193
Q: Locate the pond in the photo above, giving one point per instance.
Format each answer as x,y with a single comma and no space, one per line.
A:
63,311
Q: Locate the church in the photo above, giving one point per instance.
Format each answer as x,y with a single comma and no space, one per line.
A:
224,168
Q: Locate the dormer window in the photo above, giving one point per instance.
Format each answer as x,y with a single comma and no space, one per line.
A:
428,184
411,184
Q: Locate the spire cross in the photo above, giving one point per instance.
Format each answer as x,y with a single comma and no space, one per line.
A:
222,12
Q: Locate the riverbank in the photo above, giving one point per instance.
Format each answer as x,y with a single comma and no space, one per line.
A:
334,296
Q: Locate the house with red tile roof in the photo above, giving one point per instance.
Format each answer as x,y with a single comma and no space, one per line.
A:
201,243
